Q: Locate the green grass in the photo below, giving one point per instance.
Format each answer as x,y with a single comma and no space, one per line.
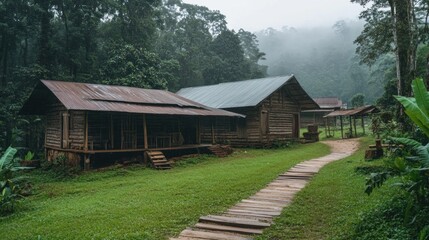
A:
138,203
332,204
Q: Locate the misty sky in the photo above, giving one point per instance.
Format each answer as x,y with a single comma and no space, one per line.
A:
254,15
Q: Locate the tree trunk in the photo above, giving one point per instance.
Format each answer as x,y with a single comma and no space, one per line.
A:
3,60
405,41
45,30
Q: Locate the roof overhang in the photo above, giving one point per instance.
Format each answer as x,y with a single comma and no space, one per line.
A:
104,98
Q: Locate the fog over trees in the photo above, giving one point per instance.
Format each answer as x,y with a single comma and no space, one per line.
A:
324,60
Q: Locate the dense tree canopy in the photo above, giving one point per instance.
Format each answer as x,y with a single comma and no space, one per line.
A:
164,44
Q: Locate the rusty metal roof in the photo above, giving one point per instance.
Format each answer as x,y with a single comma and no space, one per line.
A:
329,102
247,93
354,112
106,98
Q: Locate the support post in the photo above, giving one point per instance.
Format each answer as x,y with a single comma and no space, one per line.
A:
145,132
342,130
213,134
87,162
198,135
354,125
363,124
112,137
351,126
86,132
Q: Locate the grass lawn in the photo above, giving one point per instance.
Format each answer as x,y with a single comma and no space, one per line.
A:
138,203
330,206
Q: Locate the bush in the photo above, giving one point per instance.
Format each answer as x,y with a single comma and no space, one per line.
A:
59,168
12,186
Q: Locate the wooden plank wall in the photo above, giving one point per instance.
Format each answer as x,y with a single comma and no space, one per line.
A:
281,110
77,129
53,125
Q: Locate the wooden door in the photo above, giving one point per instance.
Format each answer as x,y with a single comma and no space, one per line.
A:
295,126
264,122
65,127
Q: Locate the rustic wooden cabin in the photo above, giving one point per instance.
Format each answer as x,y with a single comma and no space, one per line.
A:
271,106
316,116
86,120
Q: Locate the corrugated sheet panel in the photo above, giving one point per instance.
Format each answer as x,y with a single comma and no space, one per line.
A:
246,93
354,112
329,102
96,97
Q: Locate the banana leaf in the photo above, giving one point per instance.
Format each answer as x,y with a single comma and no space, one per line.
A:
421,95
415,113
7,157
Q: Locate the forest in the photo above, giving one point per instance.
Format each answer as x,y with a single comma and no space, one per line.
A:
150,44
168,44
380,59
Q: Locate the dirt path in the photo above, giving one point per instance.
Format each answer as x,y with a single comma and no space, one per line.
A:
251,216
343,146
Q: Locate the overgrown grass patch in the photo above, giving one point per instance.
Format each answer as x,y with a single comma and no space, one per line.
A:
141,203
332,204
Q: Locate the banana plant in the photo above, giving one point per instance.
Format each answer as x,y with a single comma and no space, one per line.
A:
417,107
9,182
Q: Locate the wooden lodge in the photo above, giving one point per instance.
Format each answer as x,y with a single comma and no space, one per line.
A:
86,120
272,108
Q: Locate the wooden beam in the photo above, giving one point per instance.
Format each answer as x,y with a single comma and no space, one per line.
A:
198,135
145,132
112,133
363,124
354,124
342,129
86,132
213,132
87,162
351,126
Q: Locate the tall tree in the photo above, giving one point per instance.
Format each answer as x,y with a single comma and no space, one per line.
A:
391,26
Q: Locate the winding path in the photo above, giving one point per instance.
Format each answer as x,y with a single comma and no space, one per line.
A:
251,216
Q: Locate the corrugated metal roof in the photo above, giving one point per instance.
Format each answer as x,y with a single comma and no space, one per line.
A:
96,97
329,102
354,112
247,93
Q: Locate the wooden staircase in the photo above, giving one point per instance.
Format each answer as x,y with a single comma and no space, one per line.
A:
220,150
158,160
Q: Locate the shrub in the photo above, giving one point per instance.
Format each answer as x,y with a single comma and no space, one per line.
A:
11,184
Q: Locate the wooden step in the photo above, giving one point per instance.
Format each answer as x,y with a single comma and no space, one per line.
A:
158,157
234,222
228,228
158,160
198,234
155,153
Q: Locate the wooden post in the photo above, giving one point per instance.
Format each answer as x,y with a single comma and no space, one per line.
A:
86,132
342,130
122,132
354,125
351,126
112,137
87,162
213,132
145,132
198,137
363,124
326,127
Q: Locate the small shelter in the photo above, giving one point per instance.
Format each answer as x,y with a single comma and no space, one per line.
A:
352,114
316,116
85,120
271,106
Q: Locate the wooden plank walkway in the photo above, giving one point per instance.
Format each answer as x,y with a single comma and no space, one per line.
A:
251,216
